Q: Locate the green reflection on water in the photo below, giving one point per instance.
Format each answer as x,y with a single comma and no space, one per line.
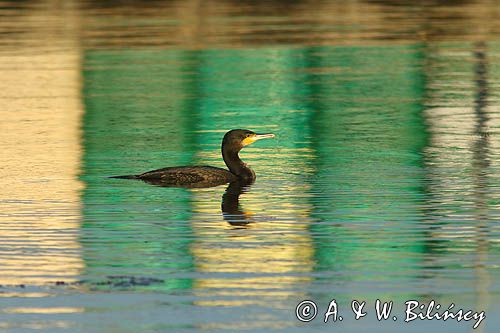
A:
260,89
131,100
148,109
369,181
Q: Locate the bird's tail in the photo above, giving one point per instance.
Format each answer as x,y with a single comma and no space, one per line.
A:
126,177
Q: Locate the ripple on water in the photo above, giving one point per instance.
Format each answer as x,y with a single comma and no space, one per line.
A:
382,180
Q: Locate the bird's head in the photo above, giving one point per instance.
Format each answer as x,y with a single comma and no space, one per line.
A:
239,138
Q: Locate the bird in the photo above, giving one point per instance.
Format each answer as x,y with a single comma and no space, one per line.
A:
206,176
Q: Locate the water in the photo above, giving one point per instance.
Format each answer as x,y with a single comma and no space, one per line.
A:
382,182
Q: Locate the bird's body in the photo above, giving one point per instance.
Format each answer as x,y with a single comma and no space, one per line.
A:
190,174
185,176
203,176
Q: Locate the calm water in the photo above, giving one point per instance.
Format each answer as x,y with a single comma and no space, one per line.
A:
383,180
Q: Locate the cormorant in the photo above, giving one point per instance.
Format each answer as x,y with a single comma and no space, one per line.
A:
205,176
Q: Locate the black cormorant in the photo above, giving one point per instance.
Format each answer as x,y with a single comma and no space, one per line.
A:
204,176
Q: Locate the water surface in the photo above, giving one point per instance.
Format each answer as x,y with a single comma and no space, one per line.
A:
382,182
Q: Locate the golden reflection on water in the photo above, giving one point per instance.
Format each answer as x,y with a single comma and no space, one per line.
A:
51,310
261,254
25,294
39,143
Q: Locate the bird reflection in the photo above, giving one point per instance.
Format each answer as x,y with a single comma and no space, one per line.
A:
230,206
231,210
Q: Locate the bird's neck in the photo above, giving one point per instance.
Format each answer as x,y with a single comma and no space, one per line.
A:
236,165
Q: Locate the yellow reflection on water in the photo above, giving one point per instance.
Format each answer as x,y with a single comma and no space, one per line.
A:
255,262
24,294
53,310
40,148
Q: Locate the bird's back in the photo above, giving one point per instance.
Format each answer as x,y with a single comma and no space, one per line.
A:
189,175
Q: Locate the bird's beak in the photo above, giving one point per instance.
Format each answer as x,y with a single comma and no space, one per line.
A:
255,137
263,136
